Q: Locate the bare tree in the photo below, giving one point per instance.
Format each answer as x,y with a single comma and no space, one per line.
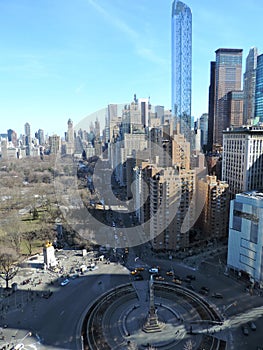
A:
8,265
29,238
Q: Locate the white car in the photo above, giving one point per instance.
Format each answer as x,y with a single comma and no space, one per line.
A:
153,270
65,282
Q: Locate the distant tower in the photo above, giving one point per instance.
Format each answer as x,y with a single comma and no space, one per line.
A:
41,137
28,138
182,66
249,86
97,129
259,88
228,71
70,138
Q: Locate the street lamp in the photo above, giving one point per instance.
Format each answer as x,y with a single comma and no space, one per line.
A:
229,306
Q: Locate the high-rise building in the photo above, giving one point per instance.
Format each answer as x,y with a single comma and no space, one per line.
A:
245,242
182,66
70,145
228,70
41,137
211,105
54,144
249,86
213,220
28,138
242,166
110,121
259,89
235,101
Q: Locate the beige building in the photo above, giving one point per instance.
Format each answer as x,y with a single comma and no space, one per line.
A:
213,220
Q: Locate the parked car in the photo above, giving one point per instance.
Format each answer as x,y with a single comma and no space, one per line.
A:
65,282
252,325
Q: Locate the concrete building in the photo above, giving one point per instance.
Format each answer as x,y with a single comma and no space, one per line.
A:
213,220
235,100
242,165
245,242
70,142
54,144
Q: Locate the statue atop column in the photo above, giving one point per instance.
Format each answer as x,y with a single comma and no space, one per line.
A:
152,323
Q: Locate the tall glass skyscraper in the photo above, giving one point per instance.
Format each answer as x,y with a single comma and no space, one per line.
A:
249,85
181,65
259,89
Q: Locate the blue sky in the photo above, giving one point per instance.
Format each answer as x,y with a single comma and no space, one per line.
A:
65,59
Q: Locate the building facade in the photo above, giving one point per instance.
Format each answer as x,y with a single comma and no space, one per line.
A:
259,89
245,242
228,70
213,221
242,166
249,86
182,65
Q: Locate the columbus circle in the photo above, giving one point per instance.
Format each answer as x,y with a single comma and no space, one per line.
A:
151,315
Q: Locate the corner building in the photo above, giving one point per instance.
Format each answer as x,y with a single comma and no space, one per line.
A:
245,243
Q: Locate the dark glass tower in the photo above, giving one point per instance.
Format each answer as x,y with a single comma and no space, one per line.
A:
259,89
181,65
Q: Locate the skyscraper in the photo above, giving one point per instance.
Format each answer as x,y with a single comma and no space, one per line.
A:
249,86
181,65
228,72
259,89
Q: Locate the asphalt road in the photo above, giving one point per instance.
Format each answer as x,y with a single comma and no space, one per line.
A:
57,320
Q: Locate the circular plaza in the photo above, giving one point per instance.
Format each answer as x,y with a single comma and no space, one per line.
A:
146,315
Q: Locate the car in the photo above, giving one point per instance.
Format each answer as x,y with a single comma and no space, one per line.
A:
177,281
191,277
65,282
134,272
245,330
138,278
203,292
159,278
170,273
252,325
153,270
140,268
187,280
217,295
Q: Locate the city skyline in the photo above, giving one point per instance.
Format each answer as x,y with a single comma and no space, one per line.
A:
67,60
